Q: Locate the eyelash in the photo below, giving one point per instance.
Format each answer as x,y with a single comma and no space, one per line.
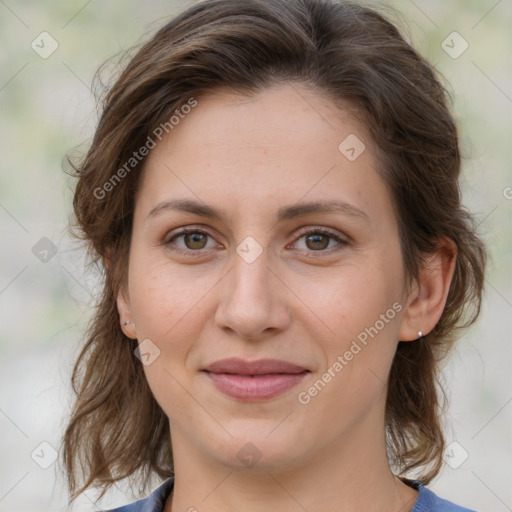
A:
305,232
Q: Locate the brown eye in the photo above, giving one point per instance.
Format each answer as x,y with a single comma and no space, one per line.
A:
320,240
190,241
195,240
317,242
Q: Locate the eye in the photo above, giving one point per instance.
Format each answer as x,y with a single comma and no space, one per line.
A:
320,240
192,240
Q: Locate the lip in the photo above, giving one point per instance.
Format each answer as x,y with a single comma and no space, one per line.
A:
258,367
252,381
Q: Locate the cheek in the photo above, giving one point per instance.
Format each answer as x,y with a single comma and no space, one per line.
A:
361,307
361,310
166,300
351,300
167,309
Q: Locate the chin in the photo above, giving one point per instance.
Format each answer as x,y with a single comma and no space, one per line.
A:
257,451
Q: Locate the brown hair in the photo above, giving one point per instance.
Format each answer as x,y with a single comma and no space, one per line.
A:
350,54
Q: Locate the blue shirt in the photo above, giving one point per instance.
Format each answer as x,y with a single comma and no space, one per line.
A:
427,501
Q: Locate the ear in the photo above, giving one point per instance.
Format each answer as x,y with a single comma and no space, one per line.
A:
125,313
427,298
123,306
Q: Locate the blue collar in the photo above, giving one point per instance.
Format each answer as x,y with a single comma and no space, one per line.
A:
427,501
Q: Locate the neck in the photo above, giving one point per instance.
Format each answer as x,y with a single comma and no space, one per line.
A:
349,474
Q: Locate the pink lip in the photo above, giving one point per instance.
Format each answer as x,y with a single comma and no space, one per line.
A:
251,381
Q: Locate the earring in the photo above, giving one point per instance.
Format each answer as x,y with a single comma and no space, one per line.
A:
420,334
125,323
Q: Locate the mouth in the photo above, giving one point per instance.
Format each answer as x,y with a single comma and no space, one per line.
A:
252,381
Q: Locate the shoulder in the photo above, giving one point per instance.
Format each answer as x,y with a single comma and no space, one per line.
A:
428,501
155,502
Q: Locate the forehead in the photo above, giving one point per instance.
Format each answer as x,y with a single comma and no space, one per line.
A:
283,144
284,116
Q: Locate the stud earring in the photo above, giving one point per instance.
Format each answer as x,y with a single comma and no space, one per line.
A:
420,334
125,323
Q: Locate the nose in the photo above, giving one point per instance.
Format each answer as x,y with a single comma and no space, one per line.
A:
253,300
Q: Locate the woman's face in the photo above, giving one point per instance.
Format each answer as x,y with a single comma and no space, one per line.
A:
292,254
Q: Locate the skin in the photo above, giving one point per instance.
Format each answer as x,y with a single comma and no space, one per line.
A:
300,301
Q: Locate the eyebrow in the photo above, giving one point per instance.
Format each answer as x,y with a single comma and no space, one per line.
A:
285,213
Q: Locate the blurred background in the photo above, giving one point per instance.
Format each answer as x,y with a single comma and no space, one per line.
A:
50,53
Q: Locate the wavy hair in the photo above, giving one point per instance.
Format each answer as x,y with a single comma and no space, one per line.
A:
346,52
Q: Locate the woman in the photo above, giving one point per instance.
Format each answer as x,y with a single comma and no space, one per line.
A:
272,192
